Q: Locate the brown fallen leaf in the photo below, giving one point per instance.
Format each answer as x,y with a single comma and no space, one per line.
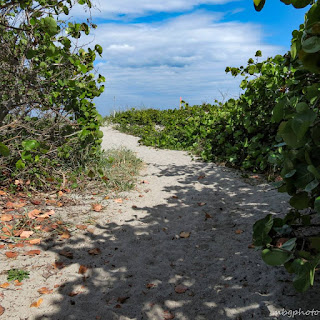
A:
134,207
82,269
67,254
81,227
17,283
20,245
36,304
180,288
201,177
2,310
66,235
251,246
11,254
94,251
36,202
118,200
207,216
26,234
167,315
58,265
123,299
97,207
15,205
201,204
239,231
150,285
6,217
73,293
34,213
5,285
11,246
33,252
184,234
35,241
50,202
2,193
2,246
45,290
175,197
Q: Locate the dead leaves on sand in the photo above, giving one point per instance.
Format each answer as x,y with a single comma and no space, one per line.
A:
36,304
45,290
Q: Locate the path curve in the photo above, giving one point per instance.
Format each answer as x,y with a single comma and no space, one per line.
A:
225,279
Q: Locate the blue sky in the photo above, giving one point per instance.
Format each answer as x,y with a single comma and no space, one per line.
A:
158,50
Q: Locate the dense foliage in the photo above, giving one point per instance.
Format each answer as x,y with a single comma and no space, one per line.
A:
295,240
48,122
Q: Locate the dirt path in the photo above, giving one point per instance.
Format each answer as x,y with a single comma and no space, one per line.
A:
186,228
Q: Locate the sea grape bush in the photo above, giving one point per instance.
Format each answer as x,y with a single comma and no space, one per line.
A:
47,118
294,241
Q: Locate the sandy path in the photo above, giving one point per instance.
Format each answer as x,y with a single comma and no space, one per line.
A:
143,258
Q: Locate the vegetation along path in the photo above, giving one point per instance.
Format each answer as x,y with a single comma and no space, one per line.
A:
177,247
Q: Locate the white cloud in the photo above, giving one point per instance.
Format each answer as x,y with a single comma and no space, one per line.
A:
154,64
113,8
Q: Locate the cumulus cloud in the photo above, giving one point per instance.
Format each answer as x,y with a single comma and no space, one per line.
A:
154,64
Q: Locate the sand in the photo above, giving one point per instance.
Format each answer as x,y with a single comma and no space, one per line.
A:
174,248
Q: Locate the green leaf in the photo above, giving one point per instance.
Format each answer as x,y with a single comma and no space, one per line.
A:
303,176
312,185
289,245
300,3
290,174
261,228
302,106
4,150
259,4
300,201
304,271
20,164
317,204
98,48
314,171
50,25
278,111
30,54
29,145
275,257
288,135
311,45
302,121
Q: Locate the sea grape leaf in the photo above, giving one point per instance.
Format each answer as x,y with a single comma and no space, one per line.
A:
275,257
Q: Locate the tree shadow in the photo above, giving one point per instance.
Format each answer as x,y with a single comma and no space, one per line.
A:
144,259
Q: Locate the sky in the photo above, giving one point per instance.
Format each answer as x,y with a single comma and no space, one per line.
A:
156,51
